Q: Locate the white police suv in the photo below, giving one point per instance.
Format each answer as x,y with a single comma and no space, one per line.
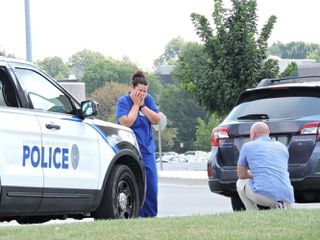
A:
56,161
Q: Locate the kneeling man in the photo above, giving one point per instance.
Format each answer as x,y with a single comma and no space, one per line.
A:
262,170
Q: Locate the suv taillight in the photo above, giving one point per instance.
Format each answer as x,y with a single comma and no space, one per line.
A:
310,129
217,134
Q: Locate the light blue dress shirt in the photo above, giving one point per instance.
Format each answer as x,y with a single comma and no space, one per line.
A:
268,162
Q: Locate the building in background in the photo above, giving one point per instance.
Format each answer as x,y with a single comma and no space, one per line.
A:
75,87
306,67
164,72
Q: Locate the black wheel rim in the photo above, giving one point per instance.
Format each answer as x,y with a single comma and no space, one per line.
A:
125,199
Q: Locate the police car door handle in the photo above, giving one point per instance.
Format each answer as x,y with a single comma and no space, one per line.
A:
52,126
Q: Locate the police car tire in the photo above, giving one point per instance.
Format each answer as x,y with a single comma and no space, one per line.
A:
121,189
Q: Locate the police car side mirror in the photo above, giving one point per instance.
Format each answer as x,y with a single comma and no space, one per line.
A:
89,108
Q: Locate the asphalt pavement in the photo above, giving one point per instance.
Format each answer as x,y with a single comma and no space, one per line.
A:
184,191
194,173
189,197
183,170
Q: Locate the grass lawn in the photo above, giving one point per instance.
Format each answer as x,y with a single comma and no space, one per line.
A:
271,224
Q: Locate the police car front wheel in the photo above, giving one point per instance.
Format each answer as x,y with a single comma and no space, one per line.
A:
121,198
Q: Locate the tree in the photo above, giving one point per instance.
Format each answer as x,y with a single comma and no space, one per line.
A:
181,111
98,73
79,62
155,86
171,52
276,49
124,70
191,66
293,50
55,67
95,69
291,70
204,130
107,97
11,55
315,55
102,70
236,55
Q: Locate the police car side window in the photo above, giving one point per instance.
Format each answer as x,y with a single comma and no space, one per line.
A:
7,95
42,93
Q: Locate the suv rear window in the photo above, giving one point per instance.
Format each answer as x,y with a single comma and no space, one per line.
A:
278,103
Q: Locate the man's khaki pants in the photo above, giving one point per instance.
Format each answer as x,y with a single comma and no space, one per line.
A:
250,199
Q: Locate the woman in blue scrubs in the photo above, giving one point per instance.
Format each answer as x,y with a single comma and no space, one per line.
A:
138,111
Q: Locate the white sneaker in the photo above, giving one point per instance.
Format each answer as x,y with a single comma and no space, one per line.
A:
281,205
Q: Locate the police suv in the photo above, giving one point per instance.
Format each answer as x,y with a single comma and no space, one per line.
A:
56,161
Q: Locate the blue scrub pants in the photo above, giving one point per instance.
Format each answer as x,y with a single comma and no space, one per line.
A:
150,206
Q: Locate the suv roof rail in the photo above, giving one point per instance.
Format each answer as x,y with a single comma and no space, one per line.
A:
302,79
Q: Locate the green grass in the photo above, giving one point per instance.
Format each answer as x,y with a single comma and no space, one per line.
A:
272,224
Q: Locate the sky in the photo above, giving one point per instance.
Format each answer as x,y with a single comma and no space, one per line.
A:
138,29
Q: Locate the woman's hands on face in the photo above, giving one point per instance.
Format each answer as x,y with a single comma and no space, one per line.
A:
138,97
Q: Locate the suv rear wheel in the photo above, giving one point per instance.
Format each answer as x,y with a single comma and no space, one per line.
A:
121,198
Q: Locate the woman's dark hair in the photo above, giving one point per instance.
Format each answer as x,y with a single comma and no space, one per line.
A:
138,78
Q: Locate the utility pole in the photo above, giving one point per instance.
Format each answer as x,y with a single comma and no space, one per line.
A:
159,127
160,148
28,30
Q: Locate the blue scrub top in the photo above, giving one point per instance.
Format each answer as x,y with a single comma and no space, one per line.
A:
142,126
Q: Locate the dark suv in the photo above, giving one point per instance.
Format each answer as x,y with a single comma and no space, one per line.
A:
291,108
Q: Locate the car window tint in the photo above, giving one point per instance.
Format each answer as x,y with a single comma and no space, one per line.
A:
7,94
42,93
280,107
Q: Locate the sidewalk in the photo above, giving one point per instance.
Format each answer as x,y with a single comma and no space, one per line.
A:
182,174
